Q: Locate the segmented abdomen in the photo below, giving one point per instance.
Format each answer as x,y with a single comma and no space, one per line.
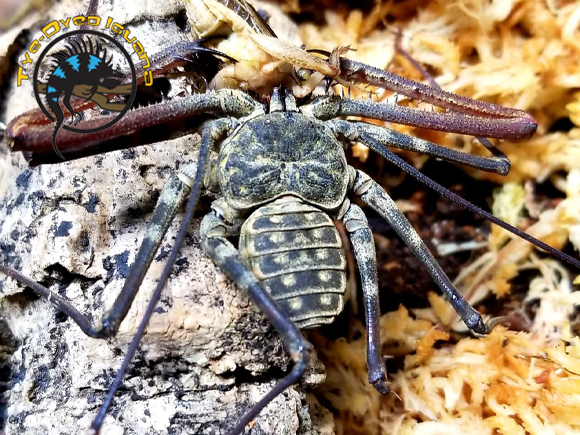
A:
296,250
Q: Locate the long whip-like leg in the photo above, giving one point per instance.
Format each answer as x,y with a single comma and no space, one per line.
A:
222,252
171,198
393,158
387,137
361,132
361,237
210,134
55,299
374,195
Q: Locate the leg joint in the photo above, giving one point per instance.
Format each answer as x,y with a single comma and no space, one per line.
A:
362,183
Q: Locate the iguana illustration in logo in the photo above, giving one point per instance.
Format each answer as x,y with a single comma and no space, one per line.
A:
81,69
